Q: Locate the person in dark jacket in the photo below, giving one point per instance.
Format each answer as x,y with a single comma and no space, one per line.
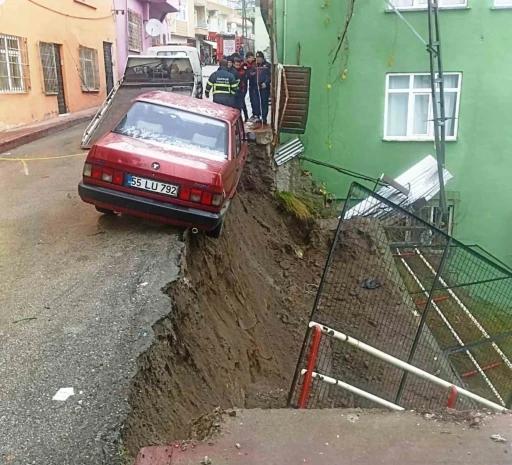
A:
242,76
259,81
223,85
230,59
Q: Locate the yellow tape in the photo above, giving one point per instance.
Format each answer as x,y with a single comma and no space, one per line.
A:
45,158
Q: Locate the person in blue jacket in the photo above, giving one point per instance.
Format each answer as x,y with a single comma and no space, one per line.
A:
259,79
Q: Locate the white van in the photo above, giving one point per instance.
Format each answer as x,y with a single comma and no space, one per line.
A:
182,51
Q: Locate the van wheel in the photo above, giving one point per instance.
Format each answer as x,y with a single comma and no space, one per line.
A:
217,231
105,211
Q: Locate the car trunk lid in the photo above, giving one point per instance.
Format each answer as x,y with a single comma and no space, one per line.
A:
180,165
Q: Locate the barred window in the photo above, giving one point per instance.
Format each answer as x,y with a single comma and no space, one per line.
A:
89,69
49,67
14,69
134,31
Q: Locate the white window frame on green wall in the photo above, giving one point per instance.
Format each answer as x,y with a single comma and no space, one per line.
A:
503,4
423,4
408,110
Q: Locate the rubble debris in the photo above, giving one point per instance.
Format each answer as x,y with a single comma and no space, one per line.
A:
63,394
498,438
206,461
352,418
370,284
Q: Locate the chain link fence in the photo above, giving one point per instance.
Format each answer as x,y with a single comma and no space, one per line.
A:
395,282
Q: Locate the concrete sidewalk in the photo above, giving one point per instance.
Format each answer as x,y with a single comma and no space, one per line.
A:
13,138
339,437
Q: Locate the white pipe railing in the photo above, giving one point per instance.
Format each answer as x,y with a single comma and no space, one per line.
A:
466,311
452,330
353,389
405,366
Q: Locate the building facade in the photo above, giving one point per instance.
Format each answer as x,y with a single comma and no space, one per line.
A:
198,21
56,57
371,108
131,17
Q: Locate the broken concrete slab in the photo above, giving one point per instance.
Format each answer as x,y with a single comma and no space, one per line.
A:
287,437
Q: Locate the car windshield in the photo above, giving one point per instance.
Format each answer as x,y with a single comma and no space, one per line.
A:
190,133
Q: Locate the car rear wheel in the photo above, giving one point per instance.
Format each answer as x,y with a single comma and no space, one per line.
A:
105,211
217,231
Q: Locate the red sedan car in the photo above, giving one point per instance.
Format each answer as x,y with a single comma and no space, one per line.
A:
171,158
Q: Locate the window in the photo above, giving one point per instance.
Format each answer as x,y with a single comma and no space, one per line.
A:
49,67
409,111
193,134
195,18
431,214
14,70
503,3
89,70
134,31
183,11
423,4
155,40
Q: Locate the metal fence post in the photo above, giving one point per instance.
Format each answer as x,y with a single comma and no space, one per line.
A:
423,319
318,294
509,402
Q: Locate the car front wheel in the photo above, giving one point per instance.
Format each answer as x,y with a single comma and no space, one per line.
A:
105,211
217,231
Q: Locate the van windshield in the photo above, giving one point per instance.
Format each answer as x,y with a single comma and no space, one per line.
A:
187,132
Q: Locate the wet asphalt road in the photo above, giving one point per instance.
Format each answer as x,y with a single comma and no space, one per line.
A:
78,295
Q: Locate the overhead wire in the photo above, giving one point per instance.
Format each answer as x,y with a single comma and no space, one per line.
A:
353,174
68,15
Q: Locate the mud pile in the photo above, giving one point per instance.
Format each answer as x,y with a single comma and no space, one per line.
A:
239,314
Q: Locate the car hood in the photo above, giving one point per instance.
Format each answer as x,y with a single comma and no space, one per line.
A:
176,162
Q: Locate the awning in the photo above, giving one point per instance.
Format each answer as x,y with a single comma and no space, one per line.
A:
211,44
160,8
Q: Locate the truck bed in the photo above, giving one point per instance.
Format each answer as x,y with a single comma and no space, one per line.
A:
120,102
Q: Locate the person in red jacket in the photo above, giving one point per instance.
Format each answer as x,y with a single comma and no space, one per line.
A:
241,70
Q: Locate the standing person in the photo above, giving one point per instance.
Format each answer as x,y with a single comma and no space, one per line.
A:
241,70
224,85
241,52
260,76
206,57
230,60
250,63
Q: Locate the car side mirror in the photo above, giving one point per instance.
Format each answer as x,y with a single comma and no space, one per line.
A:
250,137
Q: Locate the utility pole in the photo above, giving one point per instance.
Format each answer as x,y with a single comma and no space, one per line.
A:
439,113
244,18
437,84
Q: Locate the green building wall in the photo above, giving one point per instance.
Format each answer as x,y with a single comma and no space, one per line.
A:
345,125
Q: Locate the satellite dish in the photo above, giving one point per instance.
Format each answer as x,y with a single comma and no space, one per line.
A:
153,27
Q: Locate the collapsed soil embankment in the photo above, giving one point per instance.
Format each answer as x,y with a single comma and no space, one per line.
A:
238,317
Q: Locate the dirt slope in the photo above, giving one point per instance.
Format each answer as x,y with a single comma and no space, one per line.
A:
238,321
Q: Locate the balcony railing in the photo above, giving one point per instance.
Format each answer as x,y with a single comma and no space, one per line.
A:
201,25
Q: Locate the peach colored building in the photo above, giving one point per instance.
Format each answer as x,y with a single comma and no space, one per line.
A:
56,57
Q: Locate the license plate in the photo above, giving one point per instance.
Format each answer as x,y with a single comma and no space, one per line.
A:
152,186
